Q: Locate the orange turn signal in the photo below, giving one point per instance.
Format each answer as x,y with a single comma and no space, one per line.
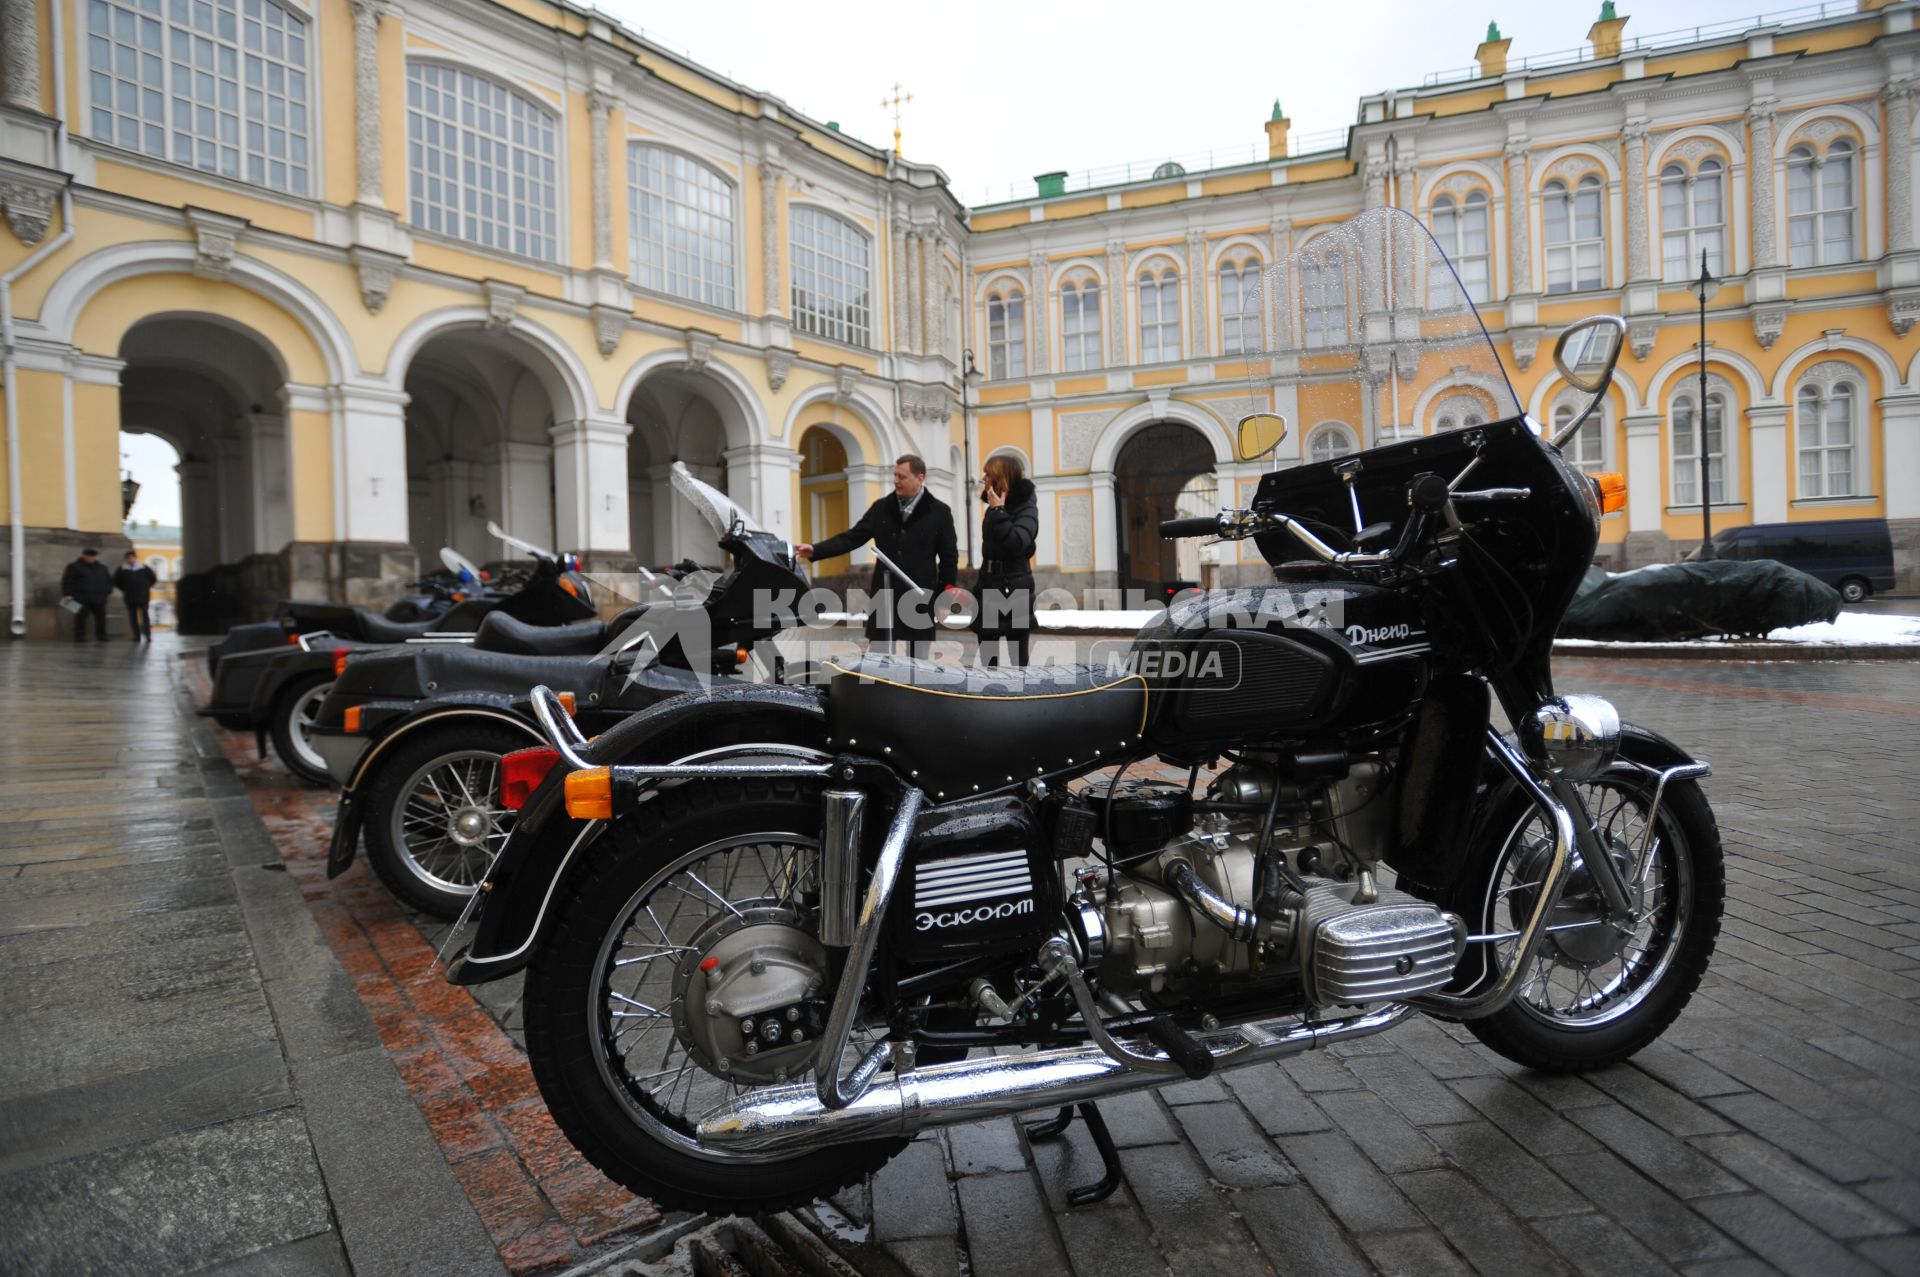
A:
566,702
351,720
339,662
740,654
590,794
1613,492
569,587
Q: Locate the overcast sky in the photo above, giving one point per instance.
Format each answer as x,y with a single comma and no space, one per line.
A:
1002,91
151,459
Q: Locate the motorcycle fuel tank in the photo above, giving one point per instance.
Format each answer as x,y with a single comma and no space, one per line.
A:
1281,660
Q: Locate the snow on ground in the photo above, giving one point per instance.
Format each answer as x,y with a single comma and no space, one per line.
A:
1852,629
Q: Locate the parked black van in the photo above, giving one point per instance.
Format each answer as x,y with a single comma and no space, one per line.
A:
1854,556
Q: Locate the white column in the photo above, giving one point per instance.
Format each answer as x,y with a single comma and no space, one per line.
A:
20,54
370,462
1643,473
268,467
232,481
1639,253
1767,439
1900,426
590,485
1106,535
1199,333
1899,144
770,174
1116,335
1519,240
366,102
916,328
899,281
760,480
521,476
199,514
1037,347
599,109
1766,236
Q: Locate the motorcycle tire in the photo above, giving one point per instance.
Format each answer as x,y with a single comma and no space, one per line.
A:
613,1127
431,853
1622,1013
296,700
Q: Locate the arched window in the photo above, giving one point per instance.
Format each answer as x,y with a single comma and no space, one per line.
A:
158,562
218,85
1588,449
1323,301
1329,440
1686,446
1239,327
1080,324
482,161
1159,316
1575,248
1828,411
830,259
1821,203
1693,219
1457,411
680,226
1006,334
1461,230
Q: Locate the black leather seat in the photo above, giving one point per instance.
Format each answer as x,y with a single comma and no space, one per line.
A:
466,669
375,628
957,732
501,633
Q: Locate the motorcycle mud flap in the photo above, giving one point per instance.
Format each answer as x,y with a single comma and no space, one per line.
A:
1440,768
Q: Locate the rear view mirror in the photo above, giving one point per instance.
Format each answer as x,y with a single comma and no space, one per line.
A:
1260,433
1587,352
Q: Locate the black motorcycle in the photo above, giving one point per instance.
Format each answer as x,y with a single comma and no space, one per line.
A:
276,689
769,935
420,738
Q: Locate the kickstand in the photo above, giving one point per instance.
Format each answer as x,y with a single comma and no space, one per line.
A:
1055,1126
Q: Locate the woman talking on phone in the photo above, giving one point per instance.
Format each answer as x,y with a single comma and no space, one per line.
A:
1007,532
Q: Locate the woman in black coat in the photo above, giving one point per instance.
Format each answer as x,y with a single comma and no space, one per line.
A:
1008,530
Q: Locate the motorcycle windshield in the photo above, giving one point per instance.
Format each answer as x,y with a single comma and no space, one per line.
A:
1367,336
715,506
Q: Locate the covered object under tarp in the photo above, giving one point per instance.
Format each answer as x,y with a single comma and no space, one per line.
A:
1746,598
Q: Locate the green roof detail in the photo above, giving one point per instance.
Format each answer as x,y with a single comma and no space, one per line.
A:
1606,11
1278,114
1493,32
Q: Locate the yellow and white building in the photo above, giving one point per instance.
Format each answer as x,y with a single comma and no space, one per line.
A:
382,274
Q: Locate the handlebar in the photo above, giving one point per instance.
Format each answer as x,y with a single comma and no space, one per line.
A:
1428,498
1205,526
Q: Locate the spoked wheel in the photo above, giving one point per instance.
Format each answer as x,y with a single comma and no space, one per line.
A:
683,973
434,820
294,714
1596,991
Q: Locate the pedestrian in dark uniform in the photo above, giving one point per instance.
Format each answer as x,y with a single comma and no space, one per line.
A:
88,583
1008,530
135,581
914,528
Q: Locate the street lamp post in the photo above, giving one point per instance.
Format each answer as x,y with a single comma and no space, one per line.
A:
1702,287
970,379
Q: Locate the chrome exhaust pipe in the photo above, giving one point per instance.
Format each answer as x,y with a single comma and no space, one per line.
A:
789,1119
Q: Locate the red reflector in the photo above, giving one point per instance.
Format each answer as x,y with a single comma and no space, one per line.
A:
521,773
339,662
709,962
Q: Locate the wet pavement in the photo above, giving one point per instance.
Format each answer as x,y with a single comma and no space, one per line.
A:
217,1059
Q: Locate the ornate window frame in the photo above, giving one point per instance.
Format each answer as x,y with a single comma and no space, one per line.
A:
1329,439
706,289
1090,330
1809,150
523,237
1683,168
1687,389
1457,198
1576,177
850,286
1820,382
1157,278
1242,264
1005,309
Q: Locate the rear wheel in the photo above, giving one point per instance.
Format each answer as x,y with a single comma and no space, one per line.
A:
434,820
662,952
1855,590
1595,993
294,713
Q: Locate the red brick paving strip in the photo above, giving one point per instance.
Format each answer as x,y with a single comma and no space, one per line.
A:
541,1202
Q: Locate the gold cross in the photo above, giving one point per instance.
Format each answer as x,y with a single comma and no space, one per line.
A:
895,104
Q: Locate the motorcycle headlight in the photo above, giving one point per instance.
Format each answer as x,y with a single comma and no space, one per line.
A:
1575,737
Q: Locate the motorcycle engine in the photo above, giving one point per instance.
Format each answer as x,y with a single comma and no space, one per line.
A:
1349,940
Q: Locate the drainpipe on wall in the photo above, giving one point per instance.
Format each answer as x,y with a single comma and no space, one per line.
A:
18,543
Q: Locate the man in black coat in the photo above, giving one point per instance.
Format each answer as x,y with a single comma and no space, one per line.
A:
914,528
88,583
135,581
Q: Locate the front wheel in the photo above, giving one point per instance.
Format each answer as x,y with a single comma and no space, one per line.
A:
1854,590
434,820
682,972
1595,992
294,713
